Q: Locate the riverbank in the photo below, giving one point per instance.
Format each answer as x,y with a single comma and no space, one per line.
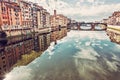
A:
114,27
27,58
114,33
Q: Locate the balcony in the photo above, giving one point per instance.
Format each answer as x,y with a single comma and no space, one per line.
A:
43,30
19,38
8,27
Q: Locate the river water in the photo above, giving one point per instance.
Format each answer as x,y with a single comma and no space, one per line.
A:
81,55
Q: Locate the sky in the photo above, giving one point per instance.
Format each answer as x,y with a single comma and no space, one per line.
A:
81,10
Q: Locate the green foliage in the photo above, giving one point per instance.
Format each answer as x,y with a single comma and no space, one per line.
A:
27,58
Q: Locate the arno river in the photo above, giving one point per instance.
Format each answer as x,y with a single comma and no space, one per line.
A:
81,55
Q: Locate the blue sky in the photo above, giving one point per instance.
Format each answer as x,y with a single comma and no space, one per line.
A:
82,10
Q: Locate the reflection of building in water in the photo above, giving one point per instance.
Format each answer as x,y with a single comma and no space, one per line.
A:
114,33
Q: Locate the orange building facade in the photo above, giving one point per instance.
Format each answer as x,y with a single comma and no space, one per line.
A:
59,26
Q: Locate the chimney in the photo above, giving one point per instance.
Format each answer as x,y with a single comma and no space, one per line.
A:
54,12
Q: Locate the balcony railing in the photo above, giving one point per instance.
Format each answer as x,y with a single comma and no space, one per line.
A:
42,30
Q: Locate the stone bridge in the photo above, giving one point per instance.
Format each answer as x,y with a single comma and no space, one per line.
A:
89,26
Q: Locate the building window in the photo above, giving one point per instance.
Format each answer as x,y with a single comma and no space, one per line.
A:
3,57
4,62
3,9
4,66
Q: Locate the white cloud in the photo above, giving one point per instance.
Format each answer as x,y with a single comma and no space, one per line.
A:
87,53
81,0
112,66
91,1
19,73
80,8
50,49
91,11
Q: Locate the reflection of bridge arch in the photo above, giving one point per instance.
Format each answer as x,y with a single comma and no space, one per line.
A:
92,26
